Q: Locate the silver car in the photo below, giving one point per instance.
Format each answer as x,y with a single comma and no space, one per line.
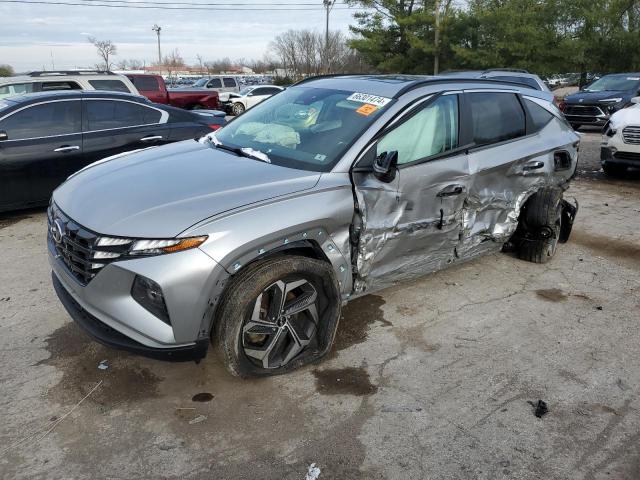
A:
254,236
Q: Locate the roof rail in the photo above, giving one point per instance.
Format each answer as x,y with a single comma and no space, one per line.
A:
326,75
53,73
437,80
515,70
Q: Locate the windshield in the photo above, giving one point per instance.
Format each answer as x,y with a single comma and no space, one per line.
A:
304,128
201,83
615,82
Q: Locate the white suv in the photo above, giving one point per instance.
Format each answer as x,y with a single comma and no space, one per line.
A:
65,80
620,147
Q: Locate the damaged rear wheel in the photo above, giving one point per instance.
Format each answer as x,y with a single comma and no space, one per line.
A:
278,314
540,226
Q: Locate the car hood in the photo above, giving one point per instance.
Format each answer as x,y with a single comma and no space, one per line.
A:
160,192
591,97
626,116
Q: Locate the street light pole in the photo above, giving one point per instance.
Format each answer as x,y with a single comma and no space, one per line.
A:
157,29
328,5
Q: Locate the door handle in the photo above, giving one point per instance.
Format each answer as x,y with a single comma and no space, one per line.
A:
67,148
451,190
152,138
532,166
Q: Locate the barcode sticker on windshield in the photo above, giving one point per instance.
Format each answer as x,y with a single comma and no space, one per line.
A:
370,99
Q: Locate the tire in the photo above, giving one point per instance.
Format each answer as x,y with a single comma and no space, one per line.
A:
540,226
613,170
197,107
576,126
253,334
237,109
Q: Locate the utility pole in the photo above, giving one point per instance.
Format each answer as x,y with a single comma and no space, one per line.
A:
157,29
328,5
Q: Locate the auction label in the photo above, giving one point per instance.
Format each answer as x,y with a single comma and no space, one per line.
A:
370,99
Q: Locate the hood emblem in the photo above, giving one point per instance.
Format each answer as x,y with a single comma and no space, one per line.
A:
56,231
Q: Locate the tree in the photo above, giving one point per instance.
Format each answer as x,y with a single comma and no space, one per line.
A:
106,49
6,70
173,62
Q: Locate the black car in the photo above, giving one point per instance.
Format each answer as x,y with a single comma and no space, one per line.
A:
45,137
596,102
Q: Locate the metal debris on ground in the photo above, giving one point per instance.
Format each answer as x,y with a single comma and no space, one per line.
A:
313,473
541,408
198,419
103,365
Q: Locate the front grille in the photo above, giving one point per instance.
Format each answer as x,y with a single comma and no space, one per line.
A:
627,156
631,134
77,247
583,110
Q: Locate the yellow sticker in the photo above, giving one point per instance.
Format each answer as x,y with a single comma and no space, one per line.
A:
367,109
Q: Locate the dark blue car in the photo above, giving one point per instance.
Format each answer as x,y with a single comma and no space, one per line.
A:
594,104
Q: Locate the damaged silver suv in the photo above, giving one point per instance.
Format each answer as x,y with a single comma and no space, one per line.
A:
253,236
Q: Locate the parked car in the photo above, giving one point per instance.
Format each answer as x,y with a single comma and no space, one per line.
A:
595,103
620,147
248,97
506,75
47,136
334,188
154,88
47,81
222,84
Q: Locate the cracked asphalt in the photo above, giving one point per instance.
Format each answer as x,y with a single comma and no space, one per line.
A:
428,380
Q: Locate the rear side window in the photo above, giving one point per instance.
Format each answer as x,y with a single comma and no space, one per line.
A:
108,114
540,116
495,117
229,82
215,83
49,86
45,120
146,84
109,85
16,88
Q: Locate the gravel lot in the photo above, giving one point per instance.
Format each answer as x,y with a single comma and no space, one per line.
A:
428,380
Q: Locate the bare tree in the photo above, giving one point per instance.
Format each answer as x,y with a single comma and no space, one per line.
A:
200,63
173,62
130,64
106,49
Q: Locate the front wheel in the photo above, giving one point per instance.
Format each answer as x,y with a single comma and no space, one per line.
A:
278,314
614,170
237,109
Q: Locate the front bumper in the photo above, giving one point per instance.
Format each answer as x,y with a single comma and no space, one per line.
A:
110,337
190,282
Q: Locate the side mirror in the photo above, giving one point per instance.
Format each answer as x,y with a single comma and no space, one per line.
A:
3,135
385,165
633,100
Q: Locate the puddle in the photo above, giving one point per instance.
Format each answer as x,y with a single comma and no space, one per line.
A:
202,397
78,357
625,251
357,316
552,295
344,381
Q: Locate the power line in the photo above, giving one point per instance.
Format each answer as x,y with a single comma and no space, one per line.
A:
266,4
162,7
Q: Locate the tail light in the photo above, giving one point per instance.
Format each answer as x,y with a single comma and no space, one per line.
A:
214,126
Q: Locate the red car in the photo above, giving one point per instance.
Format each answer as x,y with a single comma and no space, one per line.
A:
154,88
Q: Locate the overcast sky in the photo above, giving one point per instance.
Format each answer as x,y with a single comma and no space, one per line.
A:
31,36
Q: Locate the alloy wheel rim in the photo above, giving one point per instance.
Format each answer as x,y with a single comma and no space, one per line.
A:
283,322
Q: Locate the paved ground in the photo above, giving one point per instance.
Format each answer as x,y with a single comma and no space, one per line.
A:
429,380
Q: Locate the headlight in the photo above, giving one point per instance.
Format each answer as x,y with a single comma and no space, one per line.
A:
157,247
113,247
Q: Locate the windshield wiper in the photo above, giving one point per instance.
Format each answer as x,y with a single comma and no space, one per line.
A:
244,151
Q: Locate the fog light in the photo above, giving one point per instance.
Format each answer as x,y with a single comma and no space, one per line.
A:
149,294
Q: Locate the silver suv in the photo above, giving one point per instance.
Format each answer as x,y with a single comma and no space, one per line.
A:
47,81
254,236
